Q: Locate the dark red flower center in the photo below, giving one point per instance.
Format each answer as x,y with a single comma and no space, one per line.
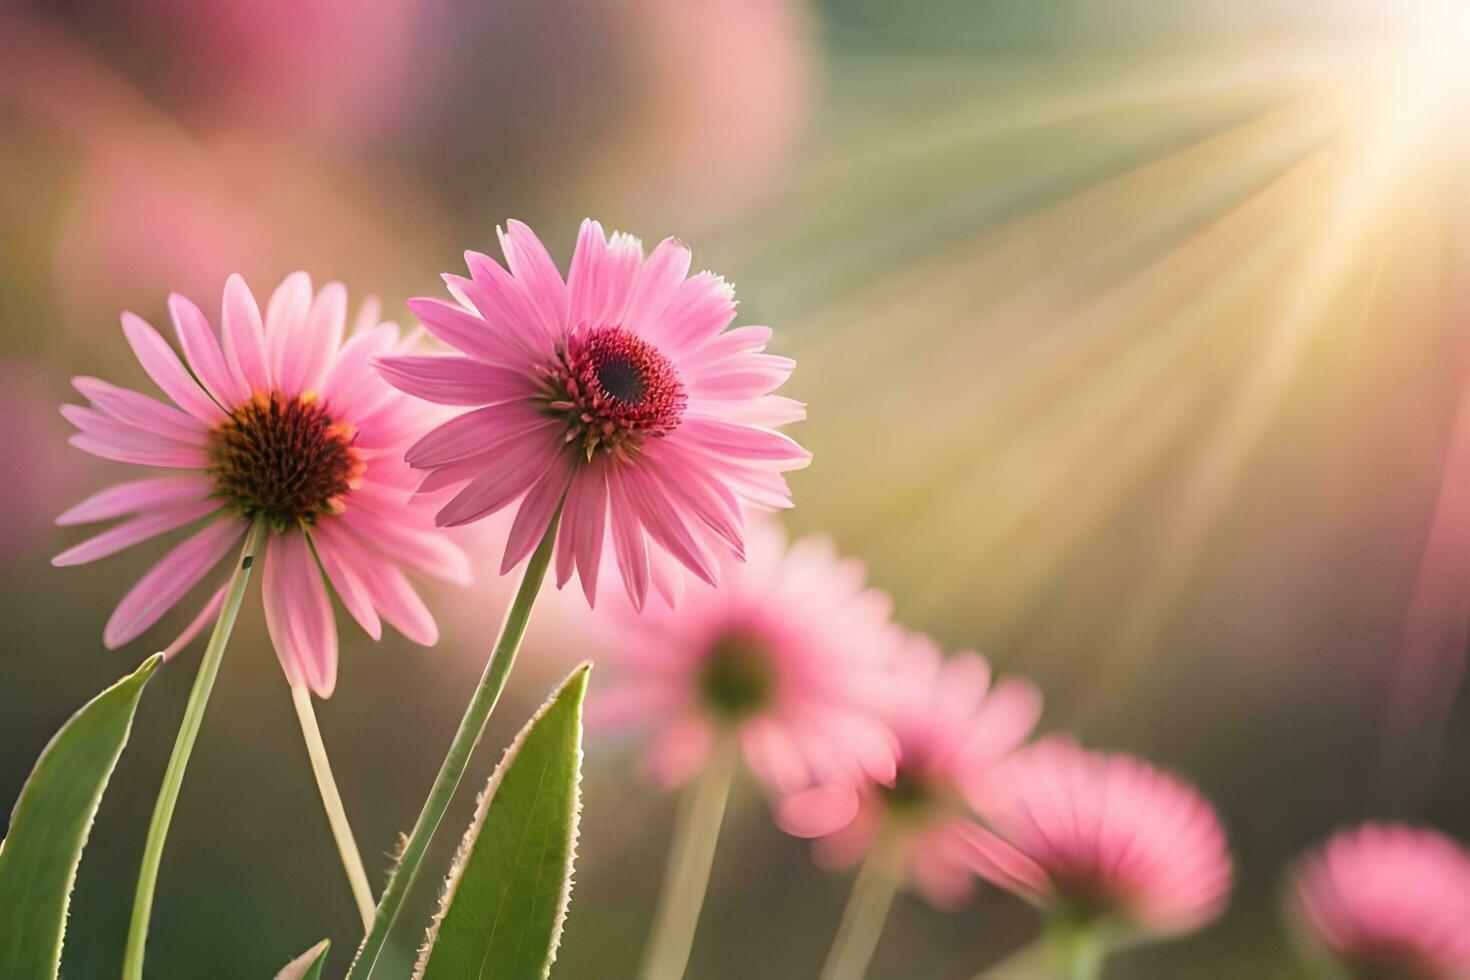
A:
284,461
615,390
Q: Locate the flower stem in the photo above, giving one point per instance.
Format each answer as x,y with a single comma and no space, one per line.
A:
471,726
1084,954
686,878
863,918
362,893
173,777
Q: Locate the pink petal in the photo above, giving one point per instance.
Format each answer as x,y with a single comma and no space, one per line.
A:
584,525
601,277
244,336
530,263
398,603
702,306
340,555
206,616
163,366
628,543
426,550
133,531
533,517
467,332
657,281
325,324
481,431
724,440
166,582
140,410
351,384
659,517
504,304
203,353
524,462
298,613
818,811
285,332
127,451
136,497
455,380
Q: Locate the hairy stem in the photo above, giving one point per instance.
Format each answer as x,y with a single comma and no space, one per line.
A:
471,726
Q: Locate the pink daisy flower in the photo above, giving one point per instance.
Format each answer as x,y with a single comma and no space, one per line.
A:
952,727
618,391
278,420
785,659
1390,901
1103,838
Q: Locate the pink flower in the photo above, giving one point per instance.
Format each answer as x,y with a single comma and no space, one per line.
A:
785,659
952,727
1104,837
277,420
619,390
1390,901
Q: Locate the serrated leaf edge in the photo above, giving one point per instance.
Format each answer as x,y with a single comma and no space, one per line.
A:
143,673
482,809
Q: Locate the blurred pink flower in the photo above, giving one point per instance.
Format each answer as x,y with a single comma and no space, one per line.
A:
36,475
1390,901
952,727
1099,837
718,93
316,68
277,420
619,391
787,658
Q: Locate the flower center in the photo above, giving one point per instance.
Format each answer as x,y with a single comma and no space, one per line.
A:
285,461
615,390
736,679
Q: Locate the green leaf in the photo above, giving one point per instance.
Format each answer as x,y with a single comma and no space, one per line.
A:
506,896
50,823
307,966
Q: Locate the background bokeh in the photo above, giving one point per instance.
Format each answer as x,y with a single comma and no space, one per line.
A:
1133,335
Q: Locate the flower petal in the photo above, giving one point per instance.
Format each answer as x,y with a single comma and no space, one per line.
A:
166,582
298,613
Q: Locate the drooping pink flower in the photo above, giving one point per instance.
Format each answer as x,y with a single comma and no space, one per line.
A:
277,420
786,659
619,390
952,727
1390,901
1103,837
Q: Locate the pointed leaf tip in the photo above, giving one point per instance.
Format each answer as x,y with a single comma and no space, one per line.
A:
50,824
307,966
504,903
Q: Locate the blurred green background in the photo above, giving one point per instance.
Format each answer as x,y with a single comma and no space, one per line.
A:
1133,335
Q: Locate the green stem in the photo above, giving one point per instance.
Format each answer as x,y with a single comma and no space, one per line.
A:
173,777
316,750
1082,951
471,726
686,877
863,918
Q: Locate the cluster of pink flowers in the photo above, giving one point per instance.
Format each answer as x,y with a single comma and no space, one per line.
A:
626,430
869,739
